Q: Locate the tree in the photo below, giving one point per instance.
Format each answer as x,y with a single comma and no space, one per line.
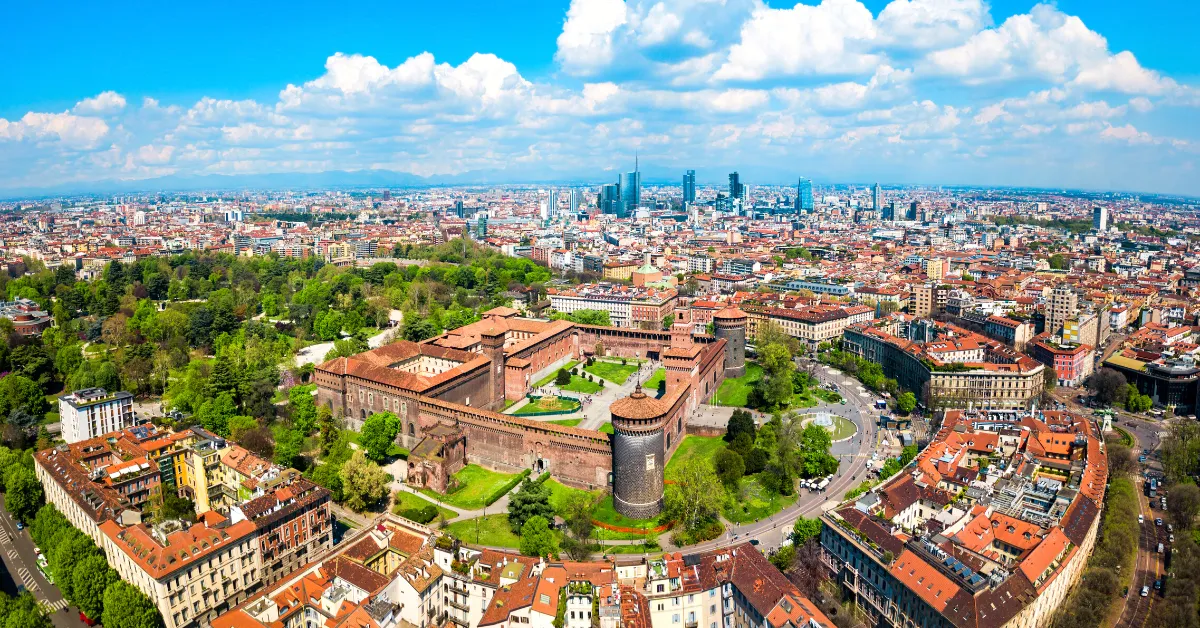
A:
1120,459
1135,401
782,559
89,579
536,537
303,408
260,441
1108,386
1049,379
214,414
729,466
741,422
346,347
175,507
379,431
1184,505
22,611
815,442
417,328
328,427
756,460
805,529
23,492
127,607
577,513
562,378
239,425
531,500
363,482
691,500
287,449
906,403
18,391
1058,261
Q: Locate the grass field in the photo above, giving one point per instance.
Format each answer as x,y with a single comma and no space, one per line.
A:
560,493
582,386
735,391
549,403
843,428
612,371
566,422
406,500
630,549
549,378
476,485
607,428
652,383
492,530
607,513
692,447
752,502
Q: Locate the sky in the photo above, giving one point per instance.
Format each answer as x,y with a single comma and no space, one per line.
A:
1093,95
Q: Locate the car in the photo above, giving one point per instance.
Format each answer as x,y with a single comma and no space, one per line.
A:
20,526
1125,593
754,542
1158,521
1145,591
843,402
1141,519
1170,538
1146,452
1158,584
1160,548
1141,458
1169,528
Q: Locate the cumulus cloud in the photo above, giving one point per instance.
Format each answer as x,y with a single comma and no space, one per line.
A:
67,128
931,23
586,42
101,104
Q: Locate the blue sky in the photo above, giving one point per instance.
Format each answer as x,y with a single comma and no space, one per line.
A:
1073,94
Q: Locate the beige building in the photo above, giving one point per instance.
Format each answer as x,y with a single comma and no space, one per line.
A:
1061,307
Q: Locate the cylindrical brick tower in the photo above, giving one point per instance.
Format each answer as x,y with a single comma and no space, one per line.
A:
730,324
638,454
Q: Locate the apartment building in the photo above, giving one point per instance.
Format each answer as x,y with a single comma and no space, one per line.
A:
1072,362
257,521
91,412
642,308
399,573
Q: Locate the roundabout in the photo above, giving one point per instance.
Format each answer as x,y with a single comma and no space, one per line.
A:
839,427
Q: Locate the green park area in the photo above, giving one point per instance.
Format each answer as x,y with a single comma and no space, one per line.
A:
419,509
548,404
735,391
492,531
566,422
659,376
613,371
702,447
582,386
549,378
606,512
842,428
476,487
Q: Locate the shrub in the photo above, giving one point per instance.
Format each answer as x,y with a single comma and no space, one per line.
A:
424,514
503,489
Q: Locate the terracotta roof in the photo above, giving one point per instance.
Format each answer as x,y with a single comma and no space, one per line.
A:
638,406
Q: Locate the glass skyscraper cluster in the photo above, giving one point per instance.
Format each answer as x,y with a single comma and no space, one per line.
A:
804,196
689,187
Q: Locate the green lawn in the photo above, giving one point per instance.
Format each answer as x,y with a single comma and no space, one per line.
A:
476,484
549,378
630,549
606,512
752,502
651,384
406,500
843,428
560,493
607,428
735,391
582,386
549,403
492,530
694,446
566,422
612,371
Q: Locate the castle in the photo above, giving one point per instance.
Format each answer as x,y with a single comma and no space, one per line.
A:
447,392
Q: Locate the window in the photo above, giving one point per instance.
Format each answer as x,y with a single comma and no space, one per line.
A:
675,618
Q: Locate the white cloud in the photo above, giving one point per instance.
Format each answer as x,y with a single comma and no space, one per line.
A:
1121,72
586,42
1127,134
830,38
1141,104
101,104
928,24
74,131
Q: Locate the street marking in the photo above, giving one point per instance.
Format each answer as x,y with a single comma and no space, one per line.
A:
52,607
27,578
12,554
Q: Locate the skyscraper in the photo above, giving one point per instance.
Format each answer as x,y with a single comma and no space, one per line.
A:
875,198
804,196
574,200
610,197
631,191
736,189
1100,218
689,187
552,205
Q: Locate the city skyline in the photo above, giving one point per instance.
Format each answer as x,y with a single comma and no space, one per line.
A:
951,92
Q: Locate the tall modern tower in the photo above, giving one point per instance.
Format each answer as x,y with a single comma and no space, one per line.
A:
804,196
552,204
875,200
736,189
689,187
574,202
1100,218
610,198
631,191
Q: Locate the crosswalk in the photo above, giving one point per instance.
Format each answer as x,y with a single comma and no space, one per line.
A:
52,607
27,579
12,554
4,537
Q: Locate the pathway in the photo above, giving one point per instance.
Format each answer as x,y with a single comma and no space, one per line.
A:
316,353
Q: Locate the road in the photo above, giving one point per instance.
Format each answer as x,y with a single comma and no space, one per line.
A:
20,565
1135,609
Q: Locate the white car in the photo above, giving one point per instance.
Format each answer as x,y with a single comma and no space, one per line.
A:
1145,591
1141,519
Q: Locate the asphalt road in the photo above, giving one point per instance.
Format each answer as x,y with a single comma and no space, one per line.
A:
20,569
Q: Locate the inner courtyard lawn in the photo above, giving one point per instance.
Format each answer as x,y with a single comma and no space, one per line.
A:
549,378
476,485
651,385
582,386
566,422
735,391
612,371
549,403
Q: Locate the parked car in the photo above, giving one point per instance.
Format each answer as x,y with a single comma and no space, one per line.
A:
1158,521
1145,591
1141,519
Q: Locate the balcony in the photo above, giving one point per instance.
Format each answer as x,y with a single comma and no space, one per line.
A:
456,587
462,606
691,623
458,620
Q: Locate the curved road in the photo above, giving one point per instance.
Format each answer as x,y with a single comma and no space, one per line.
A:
1135,609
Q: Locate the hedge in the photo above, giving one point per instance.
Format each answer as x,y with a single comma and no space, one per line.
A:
503,489
424,514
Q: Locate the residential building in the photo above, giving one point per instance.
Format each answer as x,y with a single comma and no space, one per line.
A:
643,308
1100,218
91,412
1072,362
1062,305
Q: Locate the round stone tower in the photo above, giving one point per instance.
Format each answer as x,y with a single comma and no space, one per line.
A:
638,454
730,324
